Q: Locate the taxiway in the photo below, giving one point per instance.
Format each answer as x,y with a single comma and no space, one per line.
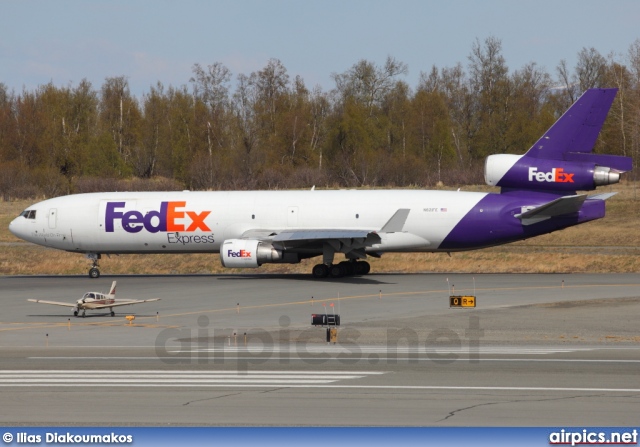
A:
537,350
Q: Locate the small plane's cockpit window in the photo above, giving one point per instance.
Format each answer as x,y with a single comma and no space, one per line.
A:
28,214
91,295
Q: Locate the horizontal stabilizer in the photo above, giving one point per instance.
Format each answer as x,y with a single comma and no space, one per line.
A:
558,207
603,196
396,223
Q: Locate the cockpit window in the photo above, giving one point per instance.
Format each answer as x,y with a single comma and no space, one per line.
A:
28,214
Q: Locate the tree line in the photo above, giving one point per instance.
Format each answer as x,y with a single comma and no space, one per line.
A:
267,130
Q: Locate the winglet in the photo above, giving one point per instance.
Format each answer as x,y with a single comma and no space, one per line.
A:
396,223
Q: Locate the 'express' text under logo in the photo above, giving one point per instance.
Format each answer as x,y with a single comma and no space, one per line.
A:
170,217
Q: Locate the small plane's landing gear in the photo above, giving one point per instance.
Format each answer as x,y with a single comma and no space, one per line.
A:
75,313
94,271
84,313
113,314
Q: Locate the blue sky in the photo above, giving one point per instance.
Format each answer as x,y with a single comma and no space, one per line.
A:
64,41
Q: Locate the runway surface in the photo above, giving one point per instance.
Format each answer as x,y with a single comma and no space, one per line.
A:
550,350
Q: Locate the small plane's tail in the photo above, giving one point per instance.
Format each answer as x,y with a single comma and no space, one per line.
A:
561,161
112,292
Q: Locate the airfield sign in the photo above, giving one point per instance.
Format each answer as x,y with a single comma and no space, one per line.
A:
462,301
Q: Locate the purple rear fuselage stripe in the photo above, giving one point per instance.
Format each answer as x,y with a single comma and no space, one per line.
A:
492,222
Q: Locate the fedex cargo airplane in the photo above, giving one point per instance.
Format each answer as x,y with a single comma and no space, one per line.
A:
538,195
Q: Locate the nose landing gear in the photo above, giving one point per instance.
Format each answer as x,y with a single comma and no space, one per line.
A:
94,271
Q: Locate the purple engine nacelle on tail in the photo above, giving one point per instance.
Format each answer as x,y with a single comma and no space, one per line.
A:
522,172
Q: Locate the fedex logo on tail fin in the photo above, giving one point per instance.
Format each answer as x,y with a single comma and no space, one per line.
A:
170,217
557,175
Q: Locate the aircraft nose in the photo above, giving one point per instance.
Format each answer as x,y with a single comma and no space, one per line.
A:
16,228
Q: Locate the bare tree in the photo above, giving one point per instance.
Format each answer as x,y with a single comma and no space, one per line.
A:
120,113
369,83
590,69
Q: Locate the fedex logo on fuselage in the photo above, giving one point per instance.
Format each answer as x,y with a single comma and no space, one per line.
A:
170,217
238,254
556,175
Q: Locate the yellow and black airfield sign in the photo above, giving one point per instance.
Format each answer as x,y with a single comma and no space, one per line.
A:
462,301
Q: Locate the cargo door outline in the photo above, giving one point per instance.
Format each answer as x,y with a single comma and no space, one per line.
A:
53,218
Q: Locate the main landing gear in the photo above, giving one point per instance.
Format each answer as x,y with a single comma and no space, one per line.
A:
344,268
94,271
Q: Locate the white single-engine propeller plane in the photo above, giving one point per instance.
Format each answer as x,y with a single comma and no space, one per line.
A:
96,301
539,195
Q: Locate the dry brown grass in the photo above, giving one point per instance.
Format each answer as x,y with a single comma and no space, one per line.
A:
607,245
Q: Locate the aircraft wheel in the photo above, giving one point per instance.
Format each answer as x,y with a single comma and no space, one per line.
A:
349,267
336,271
75,313
320,271
94,273
363,267
113,314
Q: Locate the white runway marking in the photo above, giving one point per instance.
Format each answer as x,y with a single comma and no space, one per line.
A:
173,378
253,379
355,350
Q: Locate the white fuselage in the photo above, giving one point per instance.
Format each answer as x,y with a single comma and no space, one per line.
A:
93,300
191,222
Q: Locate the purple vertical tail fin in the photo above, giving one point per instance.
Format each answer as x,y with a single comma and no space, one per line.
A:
578,128
561,160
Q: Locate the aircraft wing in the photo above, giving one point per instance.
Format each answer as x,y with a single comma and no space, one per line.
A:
342,239
309,235
55,303
123,303
558,207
